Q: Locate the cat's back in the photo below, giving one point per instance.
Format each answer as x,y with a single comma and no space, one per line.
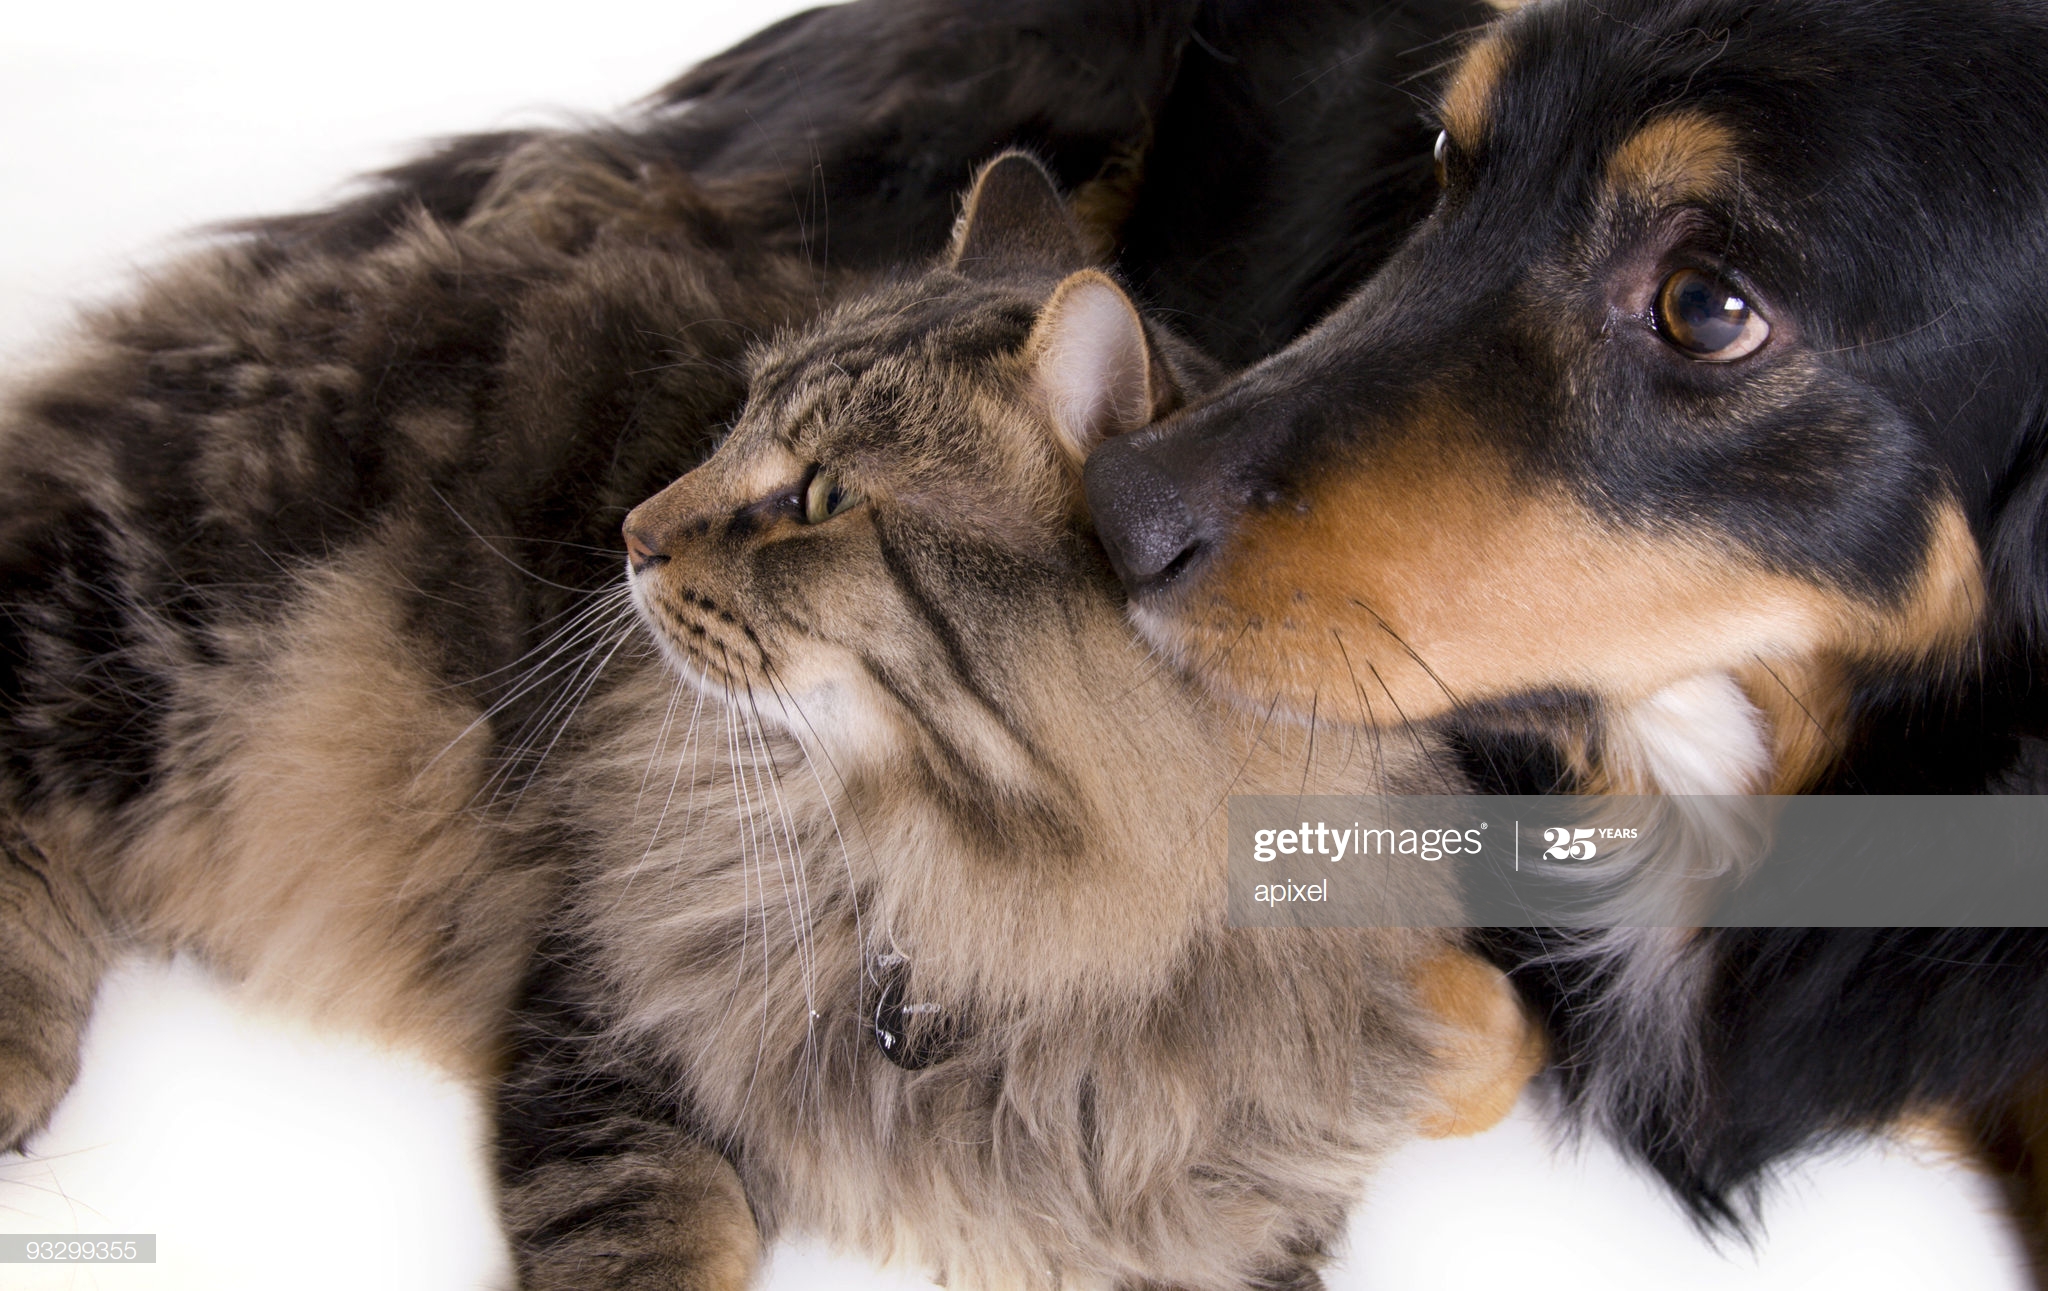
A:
294,551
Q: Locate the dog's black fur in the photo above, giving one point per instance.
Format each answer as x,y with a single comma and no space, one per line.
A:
1289,159
1256,159
1809,1036
1873,181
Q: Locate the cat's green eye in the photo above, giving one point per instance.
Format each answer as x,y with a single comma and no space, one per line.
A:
825,496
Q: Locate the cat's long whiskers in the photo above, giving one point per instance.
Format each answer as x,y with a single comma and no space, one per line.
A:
695,744
714,1032
838,833
575,622
573,696
506,759
493,550
493,784
796,891
746,899
593,620
560,542
692,750
1251,751
826,796
675,778
781,835
668,717
750,833
1379,753
617,616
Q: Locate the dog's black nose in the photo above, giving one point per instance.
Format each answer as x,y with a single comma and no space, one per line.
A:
1143,521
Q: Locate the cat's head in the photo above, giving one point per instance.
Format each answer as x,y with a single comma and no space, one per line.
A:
892,544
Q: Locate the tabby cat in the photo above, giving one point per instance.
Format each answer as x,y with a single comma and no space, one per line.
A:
292,543
916,937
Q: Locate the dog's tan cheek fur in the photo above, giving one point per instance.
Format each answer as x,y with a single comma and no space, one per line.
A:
326,838
1805,706
1433,578
1942,612
1415,585
1806,701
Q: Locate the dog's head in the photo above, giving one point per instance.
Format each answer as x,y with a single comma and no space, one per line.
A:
1725,353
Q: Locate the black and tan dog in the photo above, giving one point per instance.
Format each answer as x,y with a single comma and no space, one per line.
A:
1700,432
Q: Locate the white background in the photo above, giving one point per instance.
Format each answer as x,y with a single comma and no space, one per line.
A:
265,1155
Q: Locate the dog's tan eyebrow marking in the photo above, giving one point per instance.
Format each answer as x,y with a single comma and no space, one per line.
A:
1684,157
1467,100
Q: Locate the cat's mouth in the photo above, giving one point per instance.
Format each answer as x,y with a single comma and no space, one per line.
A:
707,643
716,652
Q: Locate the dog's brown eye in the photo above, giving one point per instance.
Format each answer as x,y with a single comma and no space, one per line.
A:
1443,152
825,497
1708,319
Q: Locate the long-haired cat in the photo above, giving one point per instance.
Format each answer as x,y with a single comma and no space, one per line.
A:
917,937
292,544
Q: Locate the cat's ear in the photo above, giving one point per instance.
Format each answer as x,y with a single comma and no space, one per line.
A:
1091,362
1014,219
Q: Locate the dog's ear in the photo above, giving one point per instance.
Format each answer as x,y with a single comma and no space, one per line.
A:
1091,362
1014,219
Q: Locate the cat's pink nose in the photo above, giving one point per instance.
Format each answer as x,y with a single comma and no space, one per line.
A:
640,553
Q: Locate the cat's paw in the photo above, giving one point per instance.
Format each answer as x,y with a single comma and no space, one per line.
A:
1298,1278
593,1263
634,1222
35,1074
50,960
